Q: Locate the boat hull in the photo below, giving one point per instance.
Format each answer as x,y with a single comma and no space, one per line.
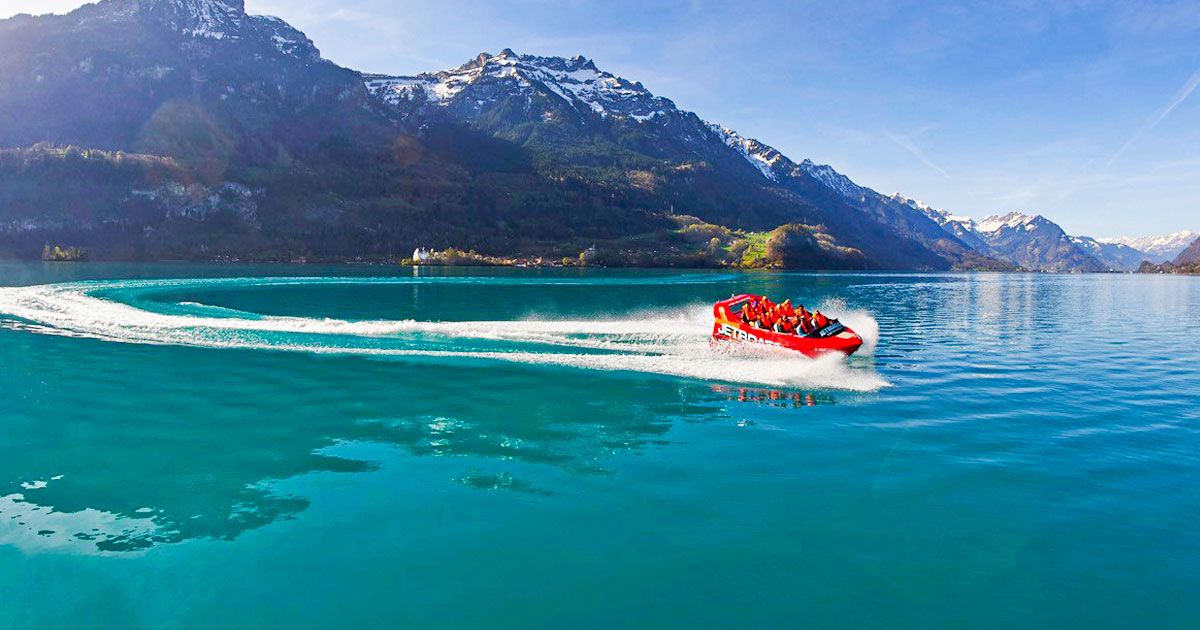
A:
835,338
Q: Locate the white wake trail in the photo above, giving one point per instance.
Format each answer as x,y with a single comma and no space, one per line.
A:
674,343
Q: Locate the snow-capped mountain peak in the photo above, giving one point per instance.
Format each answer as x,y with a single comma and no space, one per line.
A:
211,20
1012,220
214,19
576,80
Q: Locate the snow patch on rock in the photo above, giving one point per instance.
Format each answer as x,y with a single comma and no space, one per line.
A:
1012,220
826,174
765,158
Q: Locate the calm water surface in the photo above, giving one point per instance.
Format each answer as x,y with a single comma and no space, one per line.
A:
199,446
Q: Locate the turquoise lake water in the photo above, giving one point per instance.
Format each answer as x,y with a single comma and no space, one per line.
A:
290,446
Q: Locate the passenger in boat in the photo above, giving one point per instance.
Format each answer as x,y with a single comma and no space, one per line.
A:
786,325
768,319
819,320
805,327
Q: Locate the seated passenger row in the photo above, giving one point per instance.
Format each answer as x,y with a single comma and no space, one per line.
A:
783,318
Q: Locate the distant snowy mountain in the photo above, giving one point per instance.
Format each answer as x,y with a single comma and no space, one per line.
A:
962,227
1187,262
1035,242
1029,241
1158,249
1115,256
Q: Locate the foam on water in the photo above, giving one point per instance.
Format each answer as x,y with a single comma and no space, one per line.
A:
859,321
671,342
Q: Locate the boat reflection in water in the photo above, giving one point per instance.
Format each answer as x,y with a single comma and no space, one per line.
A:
773,397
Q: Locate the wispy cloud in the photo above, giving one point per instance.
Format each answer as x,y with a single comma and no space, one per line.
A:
906,143
1180,97
1184,92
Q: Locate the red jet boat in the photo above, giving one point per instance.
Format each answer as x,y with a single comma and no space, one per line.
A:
728,326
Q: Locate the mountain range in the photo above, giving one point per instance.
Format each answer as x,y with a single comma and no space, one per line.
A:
1187,262
1035,242
149,129
1157,248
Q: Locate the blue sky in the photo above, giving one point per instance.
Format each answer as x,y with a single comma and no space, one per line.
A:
1080,110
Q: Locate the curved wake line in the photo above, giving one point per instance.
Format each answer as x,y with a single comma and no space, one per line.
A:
675,343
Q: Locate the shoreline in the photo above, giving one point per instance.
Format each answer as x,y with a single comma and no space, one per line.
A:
531,265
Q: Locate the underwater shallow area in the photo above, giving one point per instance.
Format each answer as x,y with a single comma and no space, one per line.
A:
194,445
